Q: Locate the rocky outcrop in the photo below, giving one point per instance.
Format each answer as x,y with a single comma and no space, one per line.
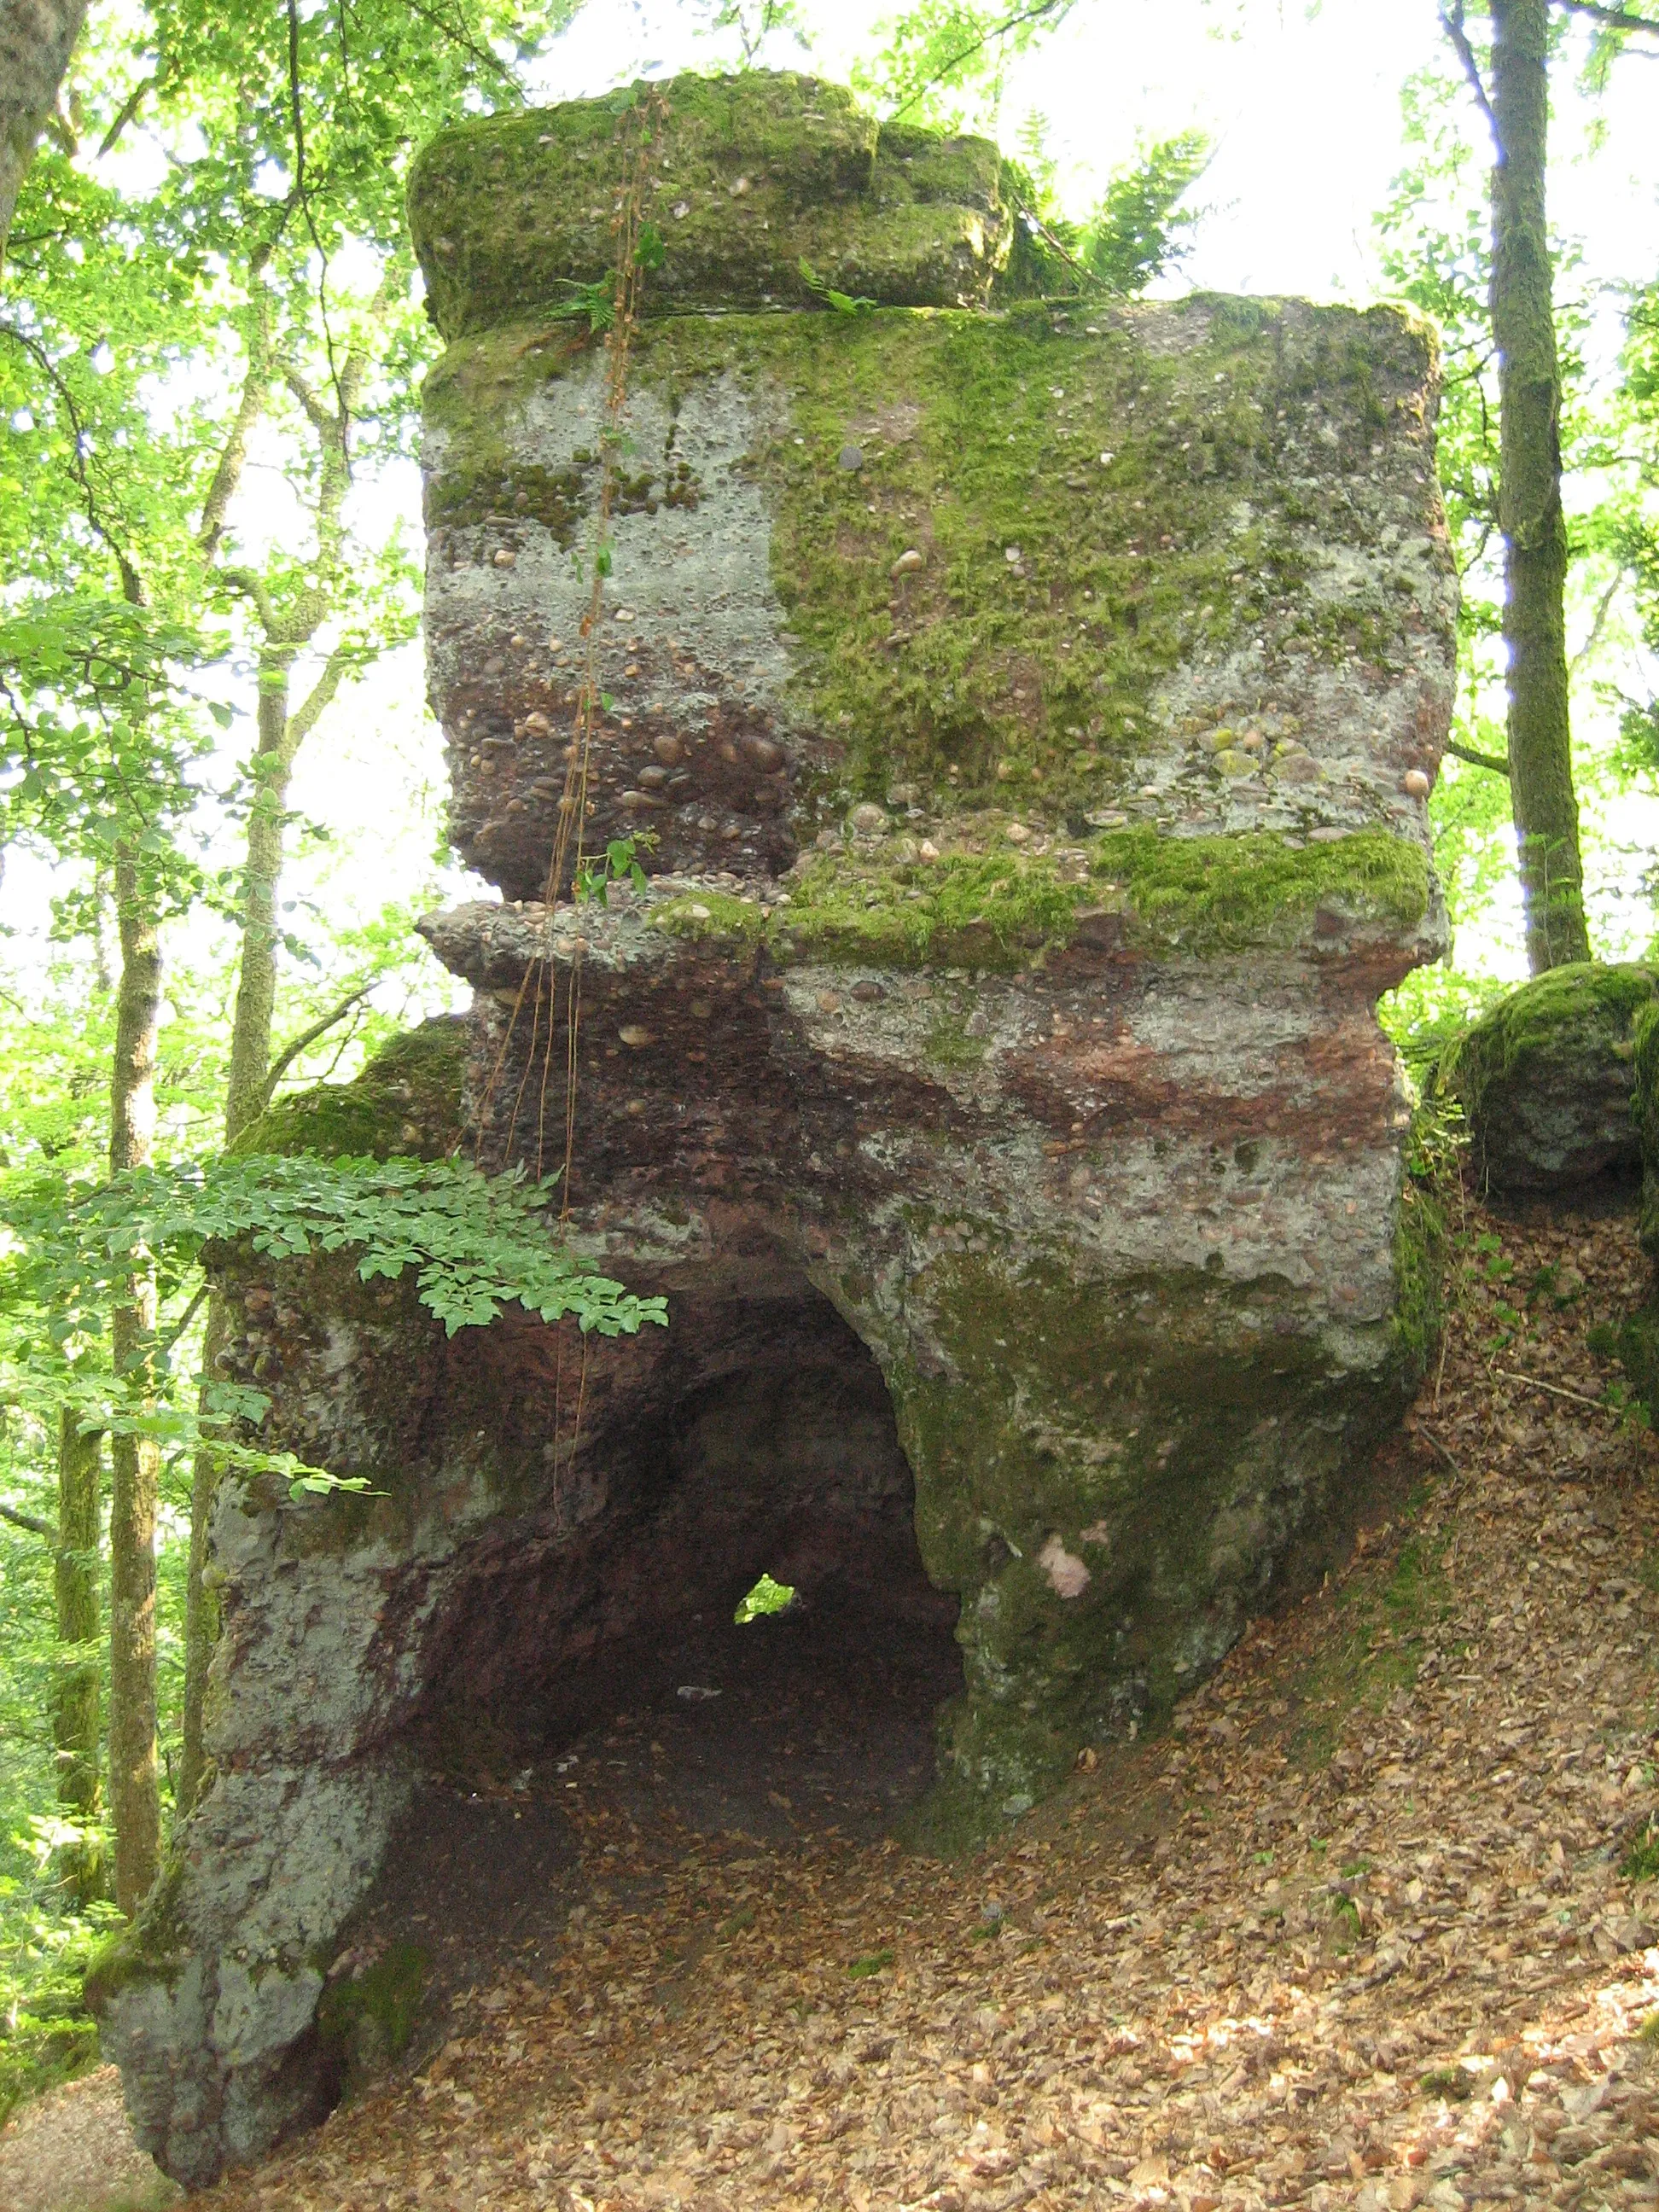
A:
1032,707
1546,1079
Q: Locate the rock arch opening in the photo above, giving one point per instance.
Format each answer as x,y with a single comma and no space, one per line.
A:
600,1644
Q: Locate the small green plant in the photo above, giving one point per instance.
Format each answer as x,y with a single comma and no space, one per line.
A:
1641,1859
618,863
1450,2082
767,1596
843,302
1345,1924
1602,1339
877,1962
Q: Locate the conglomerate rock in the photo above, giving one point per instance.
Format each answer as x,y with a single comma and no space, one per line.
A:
1032,707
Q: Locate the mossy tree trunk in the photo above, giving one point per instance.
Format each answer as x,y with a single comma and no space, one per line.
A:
37,38
287,628
1544,804
75,1691
134,1794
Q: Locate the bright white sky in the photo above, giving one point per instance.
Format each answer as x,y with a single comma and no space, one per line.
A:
1303,109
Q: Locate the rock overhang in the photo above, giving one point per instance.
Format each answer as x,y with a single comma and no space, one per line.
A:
1157,597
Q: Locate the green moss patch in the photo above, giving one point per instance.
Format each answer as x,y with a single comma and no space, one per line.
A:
407,1103
751,175
1090,511
368,2019
153,1948
1201,896
1019,665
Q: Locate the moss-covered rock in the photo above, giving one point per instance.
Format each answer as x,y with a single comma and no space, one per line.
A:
366,2017
1115,1478
1135,521
1645,1112
1639,1353
406,1102
750,177
1546,1079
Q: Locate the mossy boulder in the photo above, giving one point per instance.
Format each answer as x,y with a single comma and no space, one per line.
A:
1639,1353
406,1103
1547,1077
748,177
1645,1112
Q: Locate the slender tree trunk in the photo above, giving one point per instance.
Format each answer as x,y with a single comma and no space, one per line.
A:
256,982
37,38
281,731
244,1101
1529,496
133,1793
200,1604
75,1697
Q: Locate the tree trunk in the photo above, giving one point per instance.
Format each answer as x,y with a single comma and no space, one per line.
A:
75,1697
244,1101
201,1606
134,1794
37,38
256,981
1530,495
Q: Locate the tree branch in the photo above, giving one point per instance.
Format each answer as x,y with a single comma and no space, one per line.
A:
307,1037
1002,30
1615,19
251,583
128,107
304,718
1451,22
132,583
325,425
1603,606
30,1521
183,1322
1477,759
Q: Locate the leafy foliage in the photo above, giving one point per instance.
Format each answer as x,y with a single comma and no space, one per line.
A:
476,1242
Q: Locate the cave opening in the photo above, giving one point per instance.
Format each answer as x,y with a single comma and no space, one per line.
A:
602,1691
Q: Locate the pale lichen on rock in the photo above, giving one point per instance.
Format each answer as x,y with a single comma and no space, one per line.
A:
1033,704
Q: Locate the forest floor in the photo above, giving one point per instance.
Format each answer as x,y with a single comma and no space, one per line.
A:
1368,1928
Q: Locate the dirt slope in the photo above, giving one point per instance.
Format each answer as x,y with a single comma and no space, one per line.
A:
1359,1935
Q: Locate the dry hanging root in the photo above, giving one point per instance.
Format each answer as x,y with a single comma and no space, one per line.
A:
638,250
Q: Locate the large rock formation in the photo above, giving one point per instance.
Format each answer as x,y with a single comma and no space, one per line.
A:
1033,707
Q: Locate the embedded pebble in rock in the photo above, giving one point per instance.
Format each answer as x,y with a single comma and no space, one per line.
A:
1297,768
1021,1182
